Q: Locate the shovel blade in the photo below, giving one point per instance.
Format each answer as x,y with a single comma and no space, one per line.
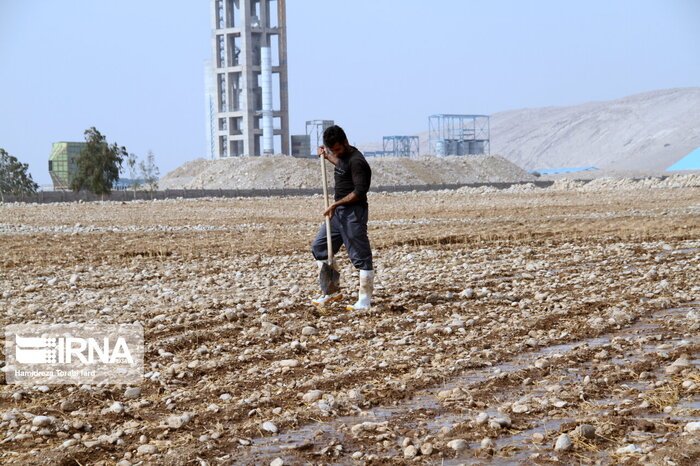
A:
329,279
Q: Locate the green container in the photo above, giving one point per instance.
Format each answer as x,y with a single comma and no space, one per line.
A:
63,163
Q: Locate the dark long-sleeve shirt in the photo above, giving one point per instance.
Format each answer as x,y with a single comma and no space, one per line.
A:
352,174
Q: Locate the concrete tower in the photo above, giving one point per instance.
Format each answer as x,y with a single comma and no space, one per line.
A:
249,44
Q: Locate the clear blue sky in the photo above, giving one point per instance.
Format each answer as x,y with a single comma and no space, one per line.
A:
134,69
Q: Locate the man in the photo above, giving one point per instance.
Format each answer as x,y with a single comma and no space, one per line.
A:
348,214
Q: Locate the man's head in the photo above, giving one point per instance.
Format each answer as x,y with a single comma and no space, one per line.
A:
336,141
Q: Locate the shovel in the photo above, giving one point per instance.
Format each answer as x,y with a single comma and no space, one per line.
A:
329,278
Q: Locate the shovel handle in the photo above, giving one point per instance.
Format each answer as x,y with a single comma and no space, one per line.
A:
326,202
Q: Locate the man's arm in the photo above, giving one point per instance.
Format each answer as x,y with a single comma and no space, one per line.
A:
349,199
322,152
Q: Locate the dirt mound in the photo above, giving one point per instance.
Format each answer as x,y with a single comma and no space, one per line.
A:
283,172
644,131
648,131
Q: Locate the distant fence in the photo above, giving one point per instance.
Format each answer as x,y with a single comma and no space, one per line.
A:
69,196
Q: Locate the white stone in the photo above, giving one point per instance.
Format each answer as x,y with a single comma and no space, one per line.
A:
628,449
132,393
269,427
410,452
458,444
146,450
692,427
520,408
312,395
564,443
487,443
42,421
308,331
176,421
116,407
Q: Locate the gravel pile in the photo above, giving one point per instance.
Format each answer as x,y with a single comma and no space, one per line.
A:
283,172
674,181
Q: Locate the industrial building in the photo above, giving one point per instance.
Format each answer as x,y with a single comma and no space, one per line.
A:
63,163
247,79
397,146
451,134
304,145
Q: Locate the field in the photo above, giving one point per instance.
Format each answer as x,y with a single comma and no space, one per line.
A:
503,324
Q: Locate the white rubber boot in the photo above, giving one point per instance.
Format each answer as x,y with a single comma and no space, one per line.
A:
325,299
366,289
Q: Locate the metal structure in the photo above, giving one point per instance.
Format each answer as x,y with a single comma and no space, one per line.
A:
63,163
249,44
451,134
401,146
315,129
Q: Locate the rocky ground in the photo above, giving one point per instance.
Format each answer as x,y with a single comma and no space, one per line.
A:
533,326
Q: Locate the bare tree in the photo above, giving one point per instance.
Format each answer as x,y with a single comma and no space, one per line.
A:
149,172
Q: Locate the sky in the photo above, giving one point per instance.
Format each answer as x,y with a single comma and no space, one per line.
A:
135,69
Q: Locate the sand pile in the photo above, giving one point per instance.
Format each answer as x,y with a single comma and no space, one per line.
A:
283,172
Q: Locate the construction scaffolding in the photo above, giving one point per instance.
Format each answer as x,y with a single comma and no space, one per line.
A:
451,134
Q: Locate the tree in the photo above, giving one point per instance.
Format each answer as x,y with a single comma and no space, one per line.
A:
149,172
98,164
15,177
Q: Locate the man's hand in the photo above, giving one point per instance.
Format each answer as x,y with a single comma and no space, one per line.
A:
330,212
323,152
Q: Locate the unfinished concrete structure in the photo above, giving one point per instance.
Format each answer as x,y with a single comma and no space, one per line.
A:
248,35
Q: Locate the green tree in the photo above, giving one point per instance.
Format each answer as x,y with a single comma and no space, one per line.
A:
15,177
150,172
98,164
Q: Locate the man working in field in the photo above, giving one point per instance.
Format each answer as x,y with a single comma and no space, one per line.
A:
348,214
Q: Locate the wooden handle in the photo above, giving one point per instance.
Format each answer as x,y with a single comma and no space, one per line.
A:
326,202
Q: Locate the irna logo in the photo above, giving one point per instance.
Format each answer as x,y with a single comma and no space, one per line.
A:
66,350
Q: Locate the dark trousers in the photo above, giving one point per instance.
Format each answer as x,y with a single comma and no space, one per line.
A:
349,228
